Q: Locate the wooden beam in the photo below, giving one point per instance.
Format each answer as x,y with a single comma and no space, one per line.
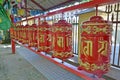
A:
68,1
38,5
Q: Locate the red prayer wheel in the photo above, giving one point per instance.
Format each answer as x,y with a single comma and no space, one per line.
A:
34,37
22,34
30,36
12,33
62,40
26,33
44,37
95,46
15,35
15,32
19,33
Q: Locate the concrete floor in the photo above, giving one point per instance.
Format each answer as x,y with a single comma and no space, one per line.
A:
114,73
15,67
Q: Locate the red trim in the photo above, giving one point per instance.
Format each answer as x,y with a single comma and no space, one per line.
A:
13,46
38,5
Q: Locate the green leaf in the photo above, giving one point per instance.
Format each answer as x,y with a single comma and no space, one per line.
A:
5,22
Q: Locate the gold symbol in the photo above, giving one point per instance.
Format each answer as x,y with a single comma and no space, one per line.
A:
68,41
87,49
49,37
60,41
41,38
103,47
53,42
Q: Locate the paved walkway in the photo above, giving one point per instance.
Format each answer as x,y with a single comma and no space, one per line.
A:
47,68
15,67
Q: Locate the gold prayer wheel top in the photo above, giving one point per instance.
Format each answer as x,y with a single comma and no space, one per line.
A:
45,24
62,26
96,25
62,23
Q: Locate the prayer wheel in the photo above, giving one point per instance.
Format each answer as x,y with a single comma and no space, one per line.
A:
44,37
62,40
95,46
